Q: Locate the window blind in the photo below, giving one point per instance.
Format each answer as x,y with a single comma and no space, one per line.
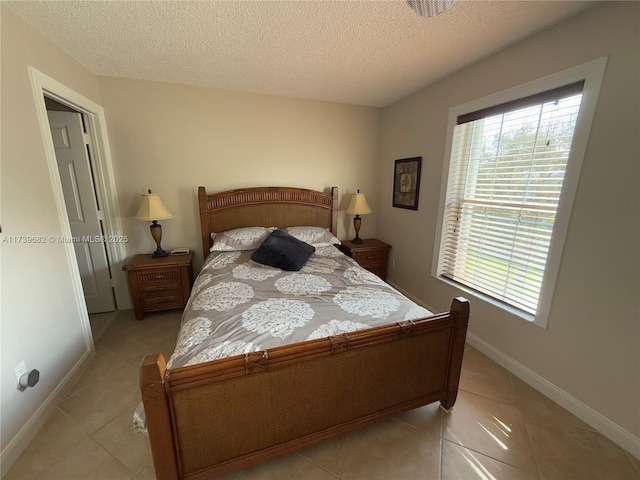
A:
505,179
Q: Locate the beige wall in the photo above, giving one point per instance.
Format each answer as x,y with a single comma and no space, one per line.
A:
173,138
40,321
591,347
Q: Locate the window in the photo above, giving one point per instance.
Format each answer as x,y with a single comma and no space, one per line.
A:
508,169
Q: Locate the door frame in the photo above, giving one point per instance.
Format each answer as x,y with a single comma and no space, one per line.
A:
42,85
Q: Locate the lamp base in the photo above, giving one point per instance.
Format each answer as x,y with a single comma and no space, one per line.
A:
156,233
356,226
159,253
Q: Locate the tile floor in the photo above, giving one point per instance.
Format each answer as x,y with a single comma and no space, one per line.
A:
499,429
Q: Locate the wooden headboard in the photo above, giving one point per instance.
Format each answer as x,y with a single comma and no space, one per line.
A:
267,207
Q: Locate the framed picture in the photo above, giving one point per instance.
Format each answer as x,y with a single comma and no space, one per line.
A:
406,183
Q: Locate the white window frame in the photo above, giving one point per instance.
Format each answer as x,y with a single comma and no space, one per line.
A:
592,73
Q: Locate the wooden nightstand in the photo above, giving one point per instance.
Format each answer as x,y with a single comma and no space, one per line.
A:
371,254
159,283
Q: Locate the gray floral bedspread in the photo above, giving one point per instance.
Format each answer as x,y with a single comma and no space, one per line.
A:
238,306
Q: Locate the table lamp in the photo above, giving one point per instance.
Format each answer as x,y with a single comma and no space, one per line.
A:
151,210
358,206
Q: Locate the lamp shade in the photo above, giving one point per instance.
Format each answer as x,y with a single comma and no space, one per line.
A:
430,8
358,205
152,208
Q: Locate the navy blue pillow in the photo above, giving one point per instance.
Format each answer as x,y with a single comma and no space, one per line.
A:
283,251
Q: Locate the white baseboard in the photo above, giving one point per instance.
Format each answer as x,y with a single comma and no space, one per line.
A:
602,424
20,442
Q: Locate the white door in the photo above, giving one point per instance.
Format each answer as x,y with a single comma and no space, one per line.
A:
82,209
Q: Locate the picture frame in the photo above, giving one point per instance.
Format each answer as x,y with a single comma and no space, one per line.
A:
406,182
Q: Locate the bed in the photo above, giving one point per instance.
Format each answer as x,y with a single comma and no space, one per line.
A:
255,399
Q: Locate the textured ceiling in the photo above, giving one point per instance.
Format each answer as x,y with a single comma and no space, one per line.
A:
358,52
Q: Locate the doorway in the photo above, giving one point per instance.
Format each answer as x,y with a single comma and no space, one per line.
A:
73,145
94,126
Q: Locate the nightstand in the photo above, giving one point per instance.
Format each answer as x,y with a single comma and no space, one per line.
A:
371,254
159,283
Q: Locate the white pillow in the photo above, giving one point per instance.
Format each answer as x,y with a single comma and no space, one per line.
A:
316,236
246,238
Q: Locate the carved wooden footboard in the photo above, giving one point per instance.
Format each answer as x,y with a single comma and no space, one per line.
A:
208,419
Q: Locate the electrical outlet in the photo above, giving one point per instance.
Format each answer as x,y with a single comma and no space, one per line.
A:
20,370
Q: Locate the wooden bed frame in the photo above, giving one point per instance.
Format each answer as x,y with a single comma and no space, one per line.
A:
208,419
